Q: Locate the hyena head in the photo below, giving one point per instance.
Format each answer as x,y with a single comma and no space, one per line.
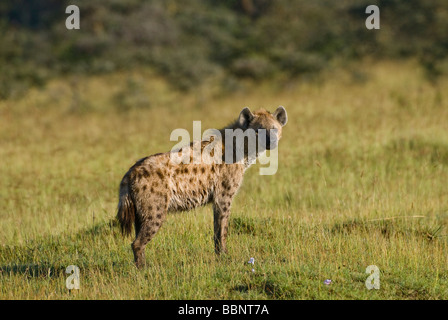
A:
272,124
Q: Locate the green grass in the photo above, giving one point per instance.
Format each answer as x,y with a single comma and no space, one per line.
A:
362,180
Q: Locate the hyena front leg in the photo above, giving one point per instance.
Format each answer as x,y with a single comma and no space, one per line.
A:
222,201
221,222
221,215
151,221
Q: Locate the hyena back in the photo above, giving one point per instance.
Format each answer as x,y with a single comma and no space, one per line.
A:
155,185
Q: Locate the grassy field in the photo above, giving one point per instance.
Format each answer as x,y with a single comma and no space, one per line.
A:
362,180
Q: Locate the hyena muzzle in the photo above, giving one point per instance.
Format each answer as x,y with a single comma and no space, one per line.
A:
155,185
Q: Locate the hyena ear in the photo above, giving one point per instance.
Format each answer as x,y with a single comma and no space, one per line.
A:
245,118
280,115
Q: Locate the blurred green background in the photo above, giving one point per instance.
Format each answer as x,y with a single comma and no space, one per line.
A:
190,42
363,162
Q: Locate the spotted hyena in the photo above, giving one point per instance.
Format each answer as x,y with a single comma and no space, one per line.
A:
156,185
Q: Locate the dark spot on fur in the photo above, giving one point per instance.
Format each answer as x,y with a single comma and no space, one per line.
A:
213,169
191,180
145,173
186,170
203,170
144,187
195,170
160,174
152,189
150,208
159,216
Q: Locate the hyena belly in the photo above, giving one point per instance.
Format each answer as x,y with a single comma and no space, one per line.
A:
184,186
191,186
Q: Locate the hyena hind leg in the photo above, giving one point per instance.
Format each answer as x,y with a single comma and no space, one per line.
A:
148,228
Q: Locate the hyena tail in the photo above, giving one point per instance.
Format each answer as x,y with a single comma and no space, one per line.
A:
126,208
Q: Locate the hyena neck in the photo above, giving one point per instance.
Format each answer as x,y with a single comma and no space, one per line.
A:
248,158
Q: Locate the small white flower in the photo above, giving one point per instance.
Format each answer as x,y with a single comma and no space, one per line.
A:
327,282
251,260
253,270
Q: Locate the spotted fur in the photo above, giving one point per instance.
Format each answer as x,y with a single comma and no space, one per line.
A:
154,186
